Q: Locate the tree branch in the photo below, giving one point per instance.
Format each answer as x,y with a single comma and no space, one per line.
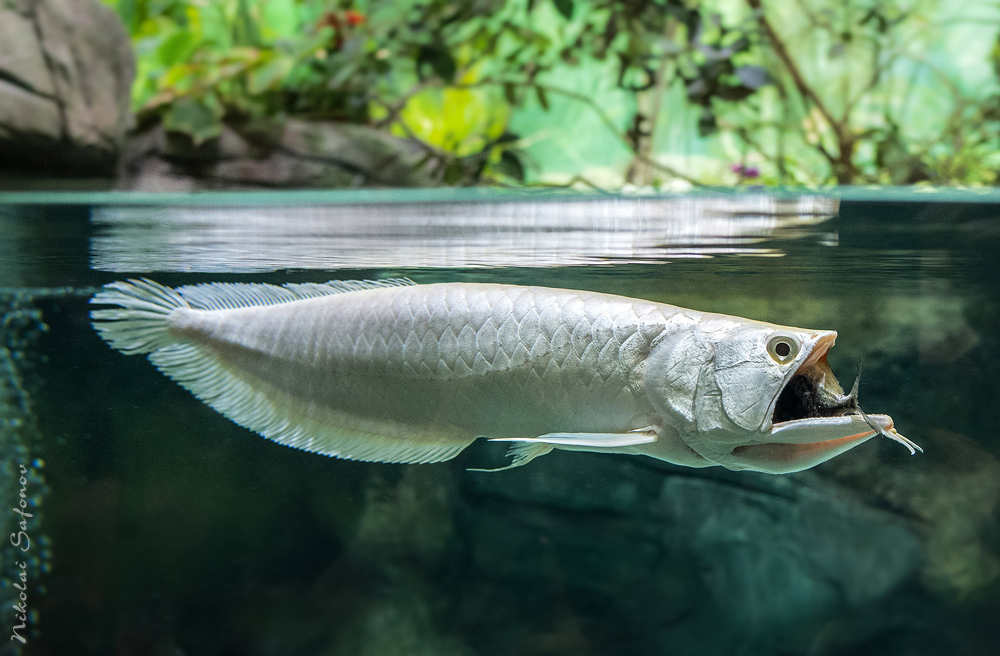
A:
793,70
639,169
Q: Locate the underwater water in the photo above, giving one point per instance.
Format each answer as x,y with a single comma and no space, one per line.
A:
160,527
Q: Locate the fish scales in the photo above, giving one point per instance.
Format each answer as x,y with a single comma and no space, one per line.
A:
454,354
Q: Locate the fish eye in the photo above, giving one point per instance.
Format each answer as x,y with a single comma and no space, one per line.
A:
783,348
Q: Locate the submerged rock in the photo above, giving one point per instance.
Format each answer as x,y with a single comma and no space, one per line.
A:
955,496
707,561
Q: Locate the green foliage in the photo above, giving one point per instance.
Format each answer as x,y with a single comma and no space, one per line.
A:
873,107
809,92
202,62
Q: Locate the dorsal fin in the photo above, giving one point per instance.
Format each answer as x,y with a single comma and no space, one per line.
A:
230,295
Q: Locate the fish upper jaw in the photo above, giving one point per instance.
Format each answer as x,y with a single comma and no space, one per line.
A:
821,345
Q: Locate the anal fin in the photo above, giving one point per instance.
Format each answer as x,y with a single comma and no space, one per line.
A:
523,453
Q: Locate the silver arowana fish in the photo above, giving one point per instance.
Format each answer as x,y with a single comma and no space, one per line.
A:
391,371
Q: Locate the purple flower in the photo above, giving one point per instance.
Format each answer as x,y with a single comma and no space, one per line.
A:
745,171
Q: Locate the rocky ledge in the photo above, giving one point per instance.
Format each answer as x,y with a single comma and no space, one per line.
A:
66,70
263,155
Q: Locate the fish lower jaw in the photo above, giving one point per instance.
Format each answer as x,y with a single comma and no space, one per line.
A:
826,427
819,429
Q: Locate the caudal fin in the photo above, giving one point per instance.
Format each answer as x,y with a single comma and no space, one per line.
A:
140,324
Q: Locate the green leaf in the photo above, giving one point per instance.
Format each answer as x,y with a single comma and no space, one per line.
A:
753,77
733,92
707,124
270,75
344,73
564,7
127,9
194,117
245,30
510,93
177,48
280,19
454,172
510,165
543,98
440,61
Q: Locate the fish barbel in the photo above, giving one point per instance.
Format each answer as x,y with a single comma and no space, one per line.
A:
391,371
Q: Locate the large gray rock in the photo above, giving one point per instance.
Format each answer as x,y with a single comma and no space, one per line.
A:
66,70
265,155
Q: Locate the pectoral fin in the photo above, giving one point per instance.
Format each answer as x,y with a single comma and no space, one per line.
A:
592,440
526,449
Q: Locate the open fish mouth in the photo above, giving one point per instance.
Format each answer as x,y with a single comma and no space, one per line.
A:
813,390
813,420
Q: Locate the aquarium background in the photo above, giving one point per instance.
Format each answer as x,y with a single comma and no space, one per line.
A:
166,529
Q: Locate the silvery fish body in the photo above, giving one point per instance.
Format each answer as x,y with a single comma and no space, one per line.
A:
396,372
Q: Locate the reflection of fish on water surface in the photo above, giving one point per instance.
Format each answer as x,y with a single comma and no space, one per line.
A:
390,371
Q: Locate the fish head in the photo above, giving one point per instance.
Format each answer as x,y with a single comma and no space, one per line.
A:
755,396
